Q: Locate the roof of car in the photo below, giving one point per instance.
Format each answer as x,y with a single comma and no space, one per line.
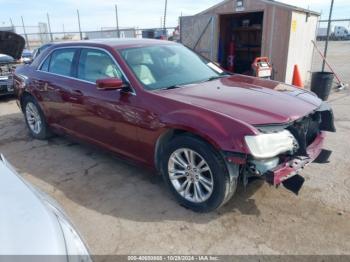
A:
119,43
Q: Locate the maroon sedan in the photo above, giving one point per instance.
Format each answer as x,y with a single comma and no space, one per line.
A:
160,104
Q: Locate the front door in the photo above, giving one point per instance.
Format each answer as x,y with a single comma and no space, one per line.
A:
105,117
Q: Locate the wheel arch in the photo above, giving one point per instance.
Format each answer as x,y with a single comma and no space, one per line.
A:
169,134
22,98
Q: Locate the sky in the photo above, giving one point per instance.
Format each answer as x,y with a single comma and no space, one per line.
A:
97,14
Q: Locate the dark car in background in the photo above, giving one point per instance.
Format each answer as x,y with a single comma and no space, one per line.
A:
6,59
11,47
27,57
160,104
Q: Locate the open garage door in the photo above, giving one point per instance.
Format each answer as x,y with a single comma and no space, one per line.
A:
198,33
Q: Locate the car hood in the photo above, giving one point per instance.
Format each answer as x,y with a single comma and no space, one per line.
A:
11,44
251,100
5,59
27,225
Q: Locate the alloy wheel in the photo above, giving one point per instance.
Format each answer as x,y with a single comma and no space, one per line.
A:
33,118
190,175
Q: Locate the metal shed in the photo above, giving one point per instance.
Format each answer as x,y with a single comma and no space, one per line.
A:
281,32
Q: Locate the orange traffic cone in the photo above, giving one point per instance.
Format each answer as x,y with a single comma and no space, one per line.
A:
297,78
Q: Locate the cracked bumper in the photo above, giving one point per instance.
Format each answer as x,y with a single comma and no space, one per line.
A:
293,166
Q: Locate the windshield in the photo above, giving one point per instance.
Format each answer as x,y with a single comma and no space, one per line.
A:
165,66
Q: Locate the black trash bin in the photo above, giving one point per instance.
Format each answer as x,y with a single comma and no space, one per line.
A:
321,84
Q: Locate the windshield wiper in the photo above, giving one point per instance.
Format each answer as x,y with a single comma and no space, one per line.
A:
172,87
209,79
217,77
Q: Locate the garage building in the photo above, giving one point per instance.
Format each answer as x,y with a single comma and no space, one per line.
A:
235,32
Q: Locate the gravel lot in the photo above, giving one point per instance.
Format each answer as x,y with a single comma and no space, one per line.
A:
123,209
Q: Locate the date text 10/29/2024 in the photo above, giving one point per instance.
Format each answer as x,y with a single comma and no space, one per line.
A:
173,258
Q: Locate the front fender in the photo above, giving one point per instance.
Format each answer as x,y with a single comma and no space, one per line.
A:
223,132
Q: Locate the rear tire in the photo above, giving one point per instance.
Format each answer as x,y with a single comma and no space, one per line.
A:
196,174
35,119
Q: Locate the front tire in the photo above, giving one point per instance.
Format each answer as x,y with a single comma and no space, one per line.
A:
196,174
35,119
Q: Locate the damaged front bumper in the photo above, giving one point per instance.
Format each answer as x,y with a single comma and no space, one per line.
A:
293,166
310,133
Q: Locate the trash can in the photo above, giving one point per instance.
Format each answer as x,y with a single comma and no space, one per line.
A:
321,84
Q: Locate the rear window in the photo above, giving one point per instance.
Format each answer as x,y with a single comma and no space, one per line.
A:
60,62
45,65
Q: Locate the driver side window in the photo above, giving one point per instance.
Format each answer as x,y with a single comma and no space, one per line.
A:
96,64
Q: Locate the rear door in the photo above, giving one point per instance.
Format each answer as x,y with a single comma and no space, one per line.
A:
53,82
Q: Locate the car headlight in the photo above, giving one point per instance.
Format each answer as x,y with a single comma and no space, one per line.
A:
75,247
76,250
270,145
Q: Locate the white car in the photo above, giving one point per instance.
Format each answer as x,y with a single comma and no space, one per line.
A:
31,223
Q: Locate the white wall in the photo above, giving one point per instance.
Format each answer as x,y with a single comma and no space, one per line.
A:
300,52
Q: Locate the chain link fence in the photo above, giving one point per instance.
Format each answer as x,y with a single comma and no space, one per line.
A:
339,30
337,48
36,36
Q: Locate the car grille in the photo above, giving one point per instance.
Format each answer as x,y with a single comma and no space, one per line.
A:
3,89
4,71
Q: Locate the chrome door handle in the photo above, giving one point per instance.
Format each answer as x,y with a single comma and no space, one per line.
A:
46,86
77,92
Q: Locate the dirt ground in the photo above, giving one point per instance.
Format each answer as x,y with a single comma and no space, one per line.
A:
123,209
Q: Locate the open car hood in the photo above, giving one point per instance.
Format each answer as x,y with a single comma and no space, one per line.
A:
11,44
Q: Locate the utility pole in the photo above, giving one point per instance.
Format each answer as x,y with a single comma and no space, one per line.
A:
165,11
117,20
179,20
11,23
328,34
48,23
25,34
81,34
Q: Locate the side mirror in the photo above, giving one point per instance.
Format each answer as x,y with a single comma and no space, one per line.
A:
109,83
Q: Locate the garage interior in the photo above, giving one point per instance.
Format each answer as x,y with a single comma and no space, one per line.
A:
235,32
240,40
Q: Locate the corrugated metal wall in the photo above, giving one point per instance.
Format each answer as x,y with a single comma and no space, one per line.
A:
276,38
302,32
